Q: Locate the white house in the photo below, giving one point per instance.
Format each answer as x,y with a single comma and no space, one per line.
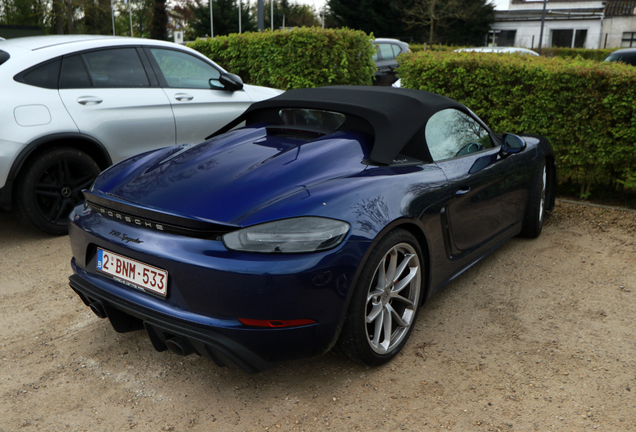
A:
619,26
568,23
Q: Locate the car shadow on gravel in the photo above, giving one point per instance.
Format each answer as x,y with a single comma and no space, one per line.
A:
304,372
17,232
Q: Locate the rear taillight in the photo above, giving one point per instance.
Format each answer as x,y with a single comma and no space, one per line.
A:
276,323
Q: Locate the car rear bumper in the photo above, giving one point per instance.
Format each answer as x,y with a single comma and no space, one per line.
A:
127,316
223,339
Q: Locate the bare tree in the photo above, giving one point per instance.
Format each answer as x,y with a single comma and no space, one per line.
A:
436,13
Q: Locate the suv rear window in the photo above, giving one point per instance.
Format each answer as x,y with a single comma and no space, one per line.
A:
74,73
44,75
4,56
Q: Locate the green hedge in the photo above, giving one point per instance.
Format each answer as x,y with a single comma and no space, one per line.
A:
303,57
572,53
433,47
585,108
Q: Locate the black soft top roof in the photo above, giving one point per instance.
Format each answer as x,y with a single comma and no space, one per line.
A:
396,115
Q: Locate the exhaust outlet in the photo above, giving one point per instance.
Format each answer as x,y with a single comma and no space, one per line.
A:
98,309
179,346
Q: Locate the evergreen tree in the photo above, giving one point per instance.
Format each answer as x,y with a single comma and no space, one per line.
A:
159,24
142,11
180,17
24,12
294,15
225,14
472,30
97,18
433,21
383,18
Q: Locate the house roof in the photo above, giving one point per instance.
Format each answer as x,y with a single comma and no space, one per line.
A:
517,2
612,7
620,8
553,1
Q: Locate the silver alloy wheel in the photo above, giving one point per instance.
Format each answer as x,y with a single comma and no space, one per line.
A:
393,297
542,199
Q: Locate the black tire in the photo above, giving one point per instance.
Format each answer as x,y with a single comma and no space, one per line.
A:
50,185
535,208
358,340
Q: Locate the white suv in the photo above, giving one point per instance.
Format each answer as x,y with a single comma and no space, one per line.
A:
73,105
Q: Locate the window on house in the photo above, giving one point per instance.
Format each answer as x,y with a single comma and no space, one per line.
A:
562,38
629,40
506,38
569,38
580,36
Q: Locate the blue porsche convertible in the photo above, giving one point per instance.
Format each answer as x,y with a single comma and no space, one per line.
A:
320,219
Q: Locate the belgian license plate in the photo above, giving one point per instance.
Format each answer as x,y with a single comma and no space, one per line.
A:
133,273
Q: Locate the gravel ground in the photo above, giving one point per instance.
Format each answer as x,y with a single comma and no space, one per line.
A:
537,337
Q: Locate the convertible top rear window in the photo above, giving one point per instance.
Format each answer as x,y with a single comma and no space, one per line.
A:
313,118
395,120
4,56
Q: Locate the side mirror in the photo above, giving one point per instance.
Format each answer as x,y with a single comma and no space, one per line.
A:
231,82
511,144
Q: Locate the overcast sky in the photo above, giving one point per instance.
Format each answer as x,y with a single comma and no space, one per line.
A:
319,4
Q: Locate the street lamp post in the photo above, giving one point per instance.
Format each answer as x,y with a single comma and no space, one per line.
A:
211,21
261,15
130,15
545,2
112,15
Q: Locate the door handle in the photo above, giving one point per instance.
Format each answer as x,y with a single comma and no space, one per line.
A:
183,96
464,190
89,100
